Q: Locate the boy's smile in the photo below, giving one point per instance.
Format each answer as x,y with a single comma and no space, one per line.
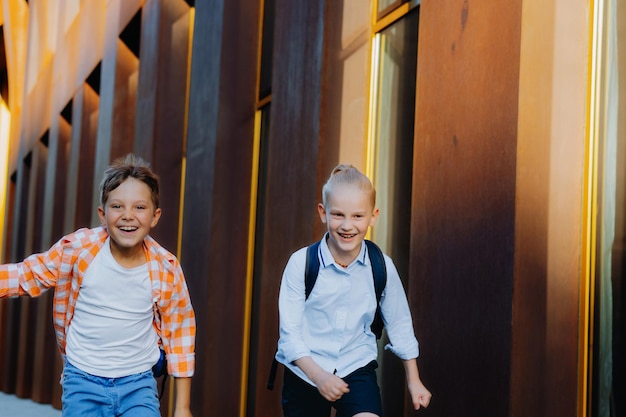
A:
348,216
129,215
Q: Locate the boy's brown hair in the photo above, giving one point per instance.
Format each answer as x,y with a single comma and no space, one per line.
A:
348,174
129,166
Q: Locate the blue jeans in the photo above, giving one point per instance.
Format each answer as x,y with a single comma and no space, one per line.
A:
88,395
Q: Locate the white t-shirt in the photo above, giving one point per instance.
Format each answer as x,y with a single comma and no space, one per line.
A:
111,333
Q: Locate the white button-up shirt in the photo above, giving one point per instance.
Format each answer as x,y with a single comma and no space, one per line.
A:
332,326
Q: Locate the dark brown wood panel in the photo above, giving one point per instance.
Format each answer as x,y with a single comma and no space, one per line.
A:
161,104
7,306
292,177
32,214
38,374
125,90
217,196
88,113
461,272
61,167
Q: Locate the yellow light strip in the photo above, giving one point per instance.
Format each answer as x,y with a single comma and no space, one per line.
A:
5,129
589,215
254,180
183,175
245,356
372,128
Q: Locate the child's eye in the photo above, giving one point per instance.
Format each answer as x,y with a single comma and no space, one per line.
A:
115,206
141,207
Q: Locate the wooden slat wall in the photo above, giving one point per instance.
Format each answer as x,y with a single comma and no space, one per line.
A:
463,211
550,210
161,104
292,179
217,195
462,266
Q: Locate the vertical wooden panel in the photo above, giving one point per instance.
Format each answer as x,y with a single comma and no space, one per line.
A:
292,177
116,120
7,370
198,205
33,216
217,196
79,176
44,356
61,165
461,277
125,91
161,104
10,334
18,308
550,205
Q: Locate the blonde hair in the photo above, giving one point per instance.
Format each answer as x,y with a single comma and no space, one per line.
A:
350,175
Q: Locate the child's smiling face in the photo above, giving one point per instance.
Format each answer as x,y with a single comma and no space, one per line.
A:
129,215
348,214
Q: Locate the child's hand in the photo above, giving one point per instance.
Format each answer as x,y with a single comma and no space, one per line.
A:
331,386
419,395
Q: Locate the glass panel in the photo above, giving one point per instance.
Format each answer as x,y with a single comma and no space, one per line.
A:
395,66
609,362
393,124
347,43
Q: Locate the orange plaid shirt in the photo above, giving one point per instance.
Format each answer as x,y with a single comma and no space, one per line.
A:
63,267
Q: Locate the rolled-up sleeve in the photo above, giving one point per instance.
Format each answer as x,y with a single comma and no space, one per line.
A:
178,324
397,316
33,276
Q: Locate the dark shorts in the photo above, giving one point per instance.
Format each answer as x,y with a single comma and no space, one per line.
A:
300,399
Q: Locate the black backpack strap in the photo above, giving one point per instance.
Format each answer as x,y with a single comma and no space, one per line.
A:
311,268
379,272
272,377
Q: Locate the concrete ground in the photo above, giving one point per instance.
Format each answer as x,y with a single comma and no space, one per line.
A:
12,406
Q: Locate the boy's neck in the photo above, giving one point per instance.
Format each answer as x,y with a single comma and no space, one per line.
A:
128,257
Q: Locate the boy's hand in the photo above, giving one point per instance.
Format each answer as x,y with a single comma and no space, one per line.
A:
419,395
331,386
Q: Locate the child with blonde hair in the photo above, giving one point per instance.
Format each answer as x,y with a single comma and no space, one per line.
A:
326,341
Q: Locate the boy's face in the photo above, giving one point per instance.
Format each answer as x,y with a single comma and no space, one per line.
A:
129,215
348,216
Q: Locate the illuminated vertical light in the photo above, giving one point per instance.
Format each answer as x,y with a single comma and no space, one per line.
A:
5,125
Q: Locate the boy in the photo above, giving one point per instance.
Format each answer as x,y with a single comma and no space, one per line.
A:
326,343
119,296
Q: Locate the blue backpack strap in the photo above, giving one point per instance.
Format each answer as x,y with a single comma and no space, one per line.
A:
379,272
311,269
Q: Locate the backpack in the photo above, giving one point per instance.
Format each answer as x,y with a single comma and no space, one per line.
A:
311,271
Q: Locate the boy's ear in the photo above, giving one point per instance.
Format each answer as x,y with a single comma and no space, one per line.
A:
322,212
101,215
156,217
374,217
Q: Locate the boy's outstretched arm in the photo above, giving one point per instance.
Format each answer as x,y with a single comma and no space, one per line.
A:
183,397
420,396
329,385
